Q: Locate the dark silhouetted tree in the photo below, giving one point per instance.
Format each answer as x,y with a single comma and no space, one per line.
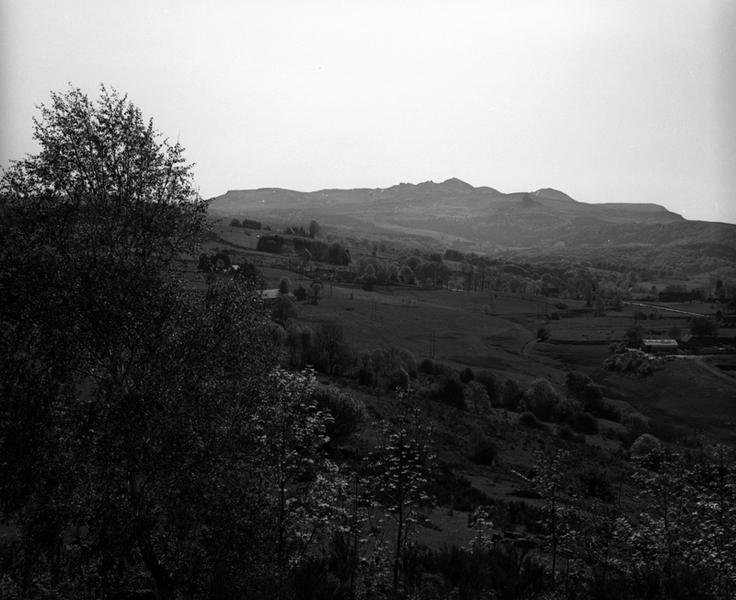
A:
314,229
703,326
143,412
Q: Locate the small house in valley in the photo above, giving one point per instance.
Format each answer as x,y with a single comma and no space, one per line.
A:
660,345
269,296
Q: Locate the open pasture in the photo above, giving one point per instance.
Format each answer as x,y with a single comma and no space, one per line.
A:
606,329
445,326
583,357
498,332
583,327
683,389
673,309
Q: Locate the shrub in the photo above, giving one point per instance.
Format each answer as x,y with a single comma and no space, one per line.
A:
665,431
565,433
644,446
298,344
565,409
636,423
273,244
581,387
542,334
455,491
347,413
408,362
466,375
576,383
284,309
511,395
452,393
631,361
300,293
592,398
426,366
484,451
399,379
365,377
595,484
529,419
391,368
250,224
503,571
634,335
605,410
205,264
441,370
488,380
703,327
521,513
331,353
541,398
584,422
554,316
221,262
644,370
476,396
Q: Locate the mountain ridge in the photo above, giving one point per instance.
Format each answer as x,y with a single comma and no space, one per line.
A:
447,188
482,218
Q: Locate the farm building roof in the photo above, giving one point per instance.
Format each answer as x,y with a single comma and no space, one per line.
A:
269,294
668,342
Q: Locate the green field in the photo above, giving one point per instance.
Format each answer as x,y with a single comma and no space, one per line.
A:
497,332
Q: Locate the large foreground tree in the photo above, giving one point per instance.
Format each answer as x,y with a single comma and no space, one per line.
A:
132,409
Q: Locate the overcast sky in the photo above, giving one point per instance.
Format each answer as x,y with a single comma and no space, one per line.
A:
619,100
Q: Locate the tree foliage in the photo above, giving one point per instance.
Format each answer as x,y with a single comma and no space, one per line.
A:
146,441
541,398
401,466
703,326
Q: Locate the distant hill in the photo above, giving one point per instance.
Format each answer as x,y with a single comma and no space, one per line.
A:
484,218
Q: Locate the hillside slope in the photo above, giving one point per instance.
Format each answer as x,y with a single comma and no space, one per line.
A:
485,218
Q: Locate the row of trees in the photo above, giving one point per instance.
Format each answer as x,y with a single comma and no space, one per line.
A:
307,249
311,231
247,223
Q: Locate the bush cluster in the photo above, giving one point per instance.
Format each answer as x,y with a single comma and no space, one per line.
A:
464,389
484,451
631,361
387,368
581,388
564,432
530,420
511,395
347,413
584,422
542,399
